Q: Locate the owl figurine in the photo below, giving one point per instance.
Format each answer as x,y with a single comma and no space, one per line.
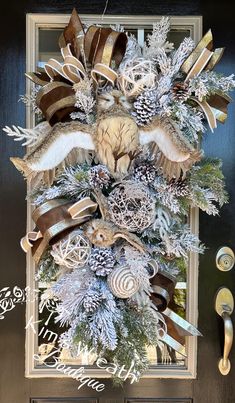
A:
115,139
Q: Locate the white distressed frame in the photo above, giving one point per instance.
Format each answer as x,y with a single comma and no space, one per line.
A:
189,371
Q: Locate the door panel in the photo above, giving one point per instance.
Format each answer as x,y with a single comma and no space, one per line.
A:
58,400
158,401
210,386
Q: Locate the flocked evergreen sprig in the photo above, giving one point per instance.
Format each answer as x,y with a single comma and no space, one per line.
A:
74,183
207,187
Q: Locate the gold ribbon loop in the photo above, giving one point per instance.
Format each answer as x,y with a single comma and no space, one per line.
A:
102,47
83,208
208,112
104,72
26,242
54,68
202,58
73,69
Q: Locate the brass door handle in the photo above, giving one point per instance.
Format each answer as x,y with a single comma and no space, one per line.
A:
224,305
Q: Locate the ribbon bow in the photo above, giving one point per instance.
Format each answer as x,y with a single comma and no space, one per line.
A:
203,58
97,50
54,220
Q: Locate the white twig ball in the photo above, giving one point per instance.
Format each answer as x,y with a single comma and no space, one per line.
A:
72,251
131,206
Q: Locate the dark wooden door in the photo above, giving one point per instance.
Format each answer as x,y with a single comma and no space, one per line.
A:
210,386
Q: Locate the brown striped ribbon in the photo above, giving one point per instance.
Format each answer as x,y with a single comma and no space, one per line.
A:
102,46
54,220
56,100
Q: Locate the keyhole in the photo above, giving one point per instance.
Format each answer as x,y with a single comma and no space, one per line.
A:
225,259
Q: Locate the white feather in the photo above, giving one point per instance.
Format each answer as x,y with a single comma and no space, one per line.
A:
165,144
60,148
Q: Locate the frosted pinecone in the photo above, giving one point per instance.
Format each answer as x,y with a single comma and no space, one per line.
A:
91,300
145,173
145,107
101,261
180,188
180,92
99,176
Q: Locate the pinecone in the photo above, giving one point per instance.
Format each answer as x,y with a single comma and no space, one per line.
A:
99,176
91,300
145,107
180,92
180,188
145,173
101,261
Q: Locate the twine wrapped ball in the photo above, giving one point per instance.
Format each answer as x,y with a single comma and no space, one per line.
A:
72,251
131,206
122,282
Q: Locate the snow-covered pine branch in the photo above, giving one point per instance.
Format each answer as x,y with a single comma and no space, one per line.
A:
29,136
158,39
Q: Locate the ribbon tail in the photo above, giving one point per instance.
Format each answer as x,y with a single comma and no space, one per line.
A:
205,42
26,242
200,64
173,344
182,323
208,112
218,53
105,72
219,104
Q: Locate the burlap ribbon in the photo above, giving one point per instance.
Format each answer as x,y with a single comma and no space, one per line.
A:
100,49
203,58
55,219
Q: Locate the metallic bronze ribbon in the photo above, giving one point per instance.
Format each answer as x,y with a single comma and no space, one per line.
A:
163,286
205,42
202,58
100,46
54,220
71,34
56,100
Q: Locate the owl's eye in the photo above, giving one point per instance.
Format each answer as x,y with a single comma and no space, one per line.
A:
105,99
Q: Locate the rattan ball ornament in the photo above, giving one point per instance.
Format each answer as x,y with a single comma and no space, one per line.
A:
72,251
136,76
122,282
131,206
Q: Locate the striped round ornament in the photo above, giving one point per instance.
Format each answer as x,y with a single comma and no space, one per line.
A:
122,282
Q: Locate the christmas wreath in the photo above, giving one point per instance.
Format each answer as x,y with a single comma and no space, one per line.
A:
115,165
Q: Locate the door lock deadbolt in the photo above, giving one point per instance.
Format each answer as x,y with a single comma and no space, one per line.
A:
225,259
